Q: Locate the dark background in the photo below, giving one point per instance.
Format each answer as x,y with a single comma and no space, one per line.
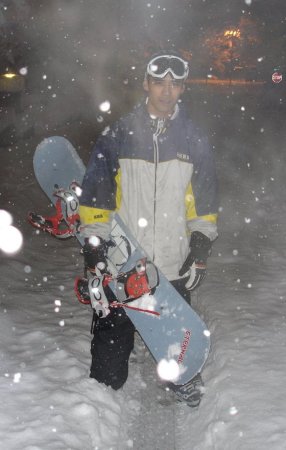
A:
79,53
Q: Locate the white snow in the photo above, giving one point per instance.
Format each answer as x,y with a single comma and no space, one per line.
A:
48,401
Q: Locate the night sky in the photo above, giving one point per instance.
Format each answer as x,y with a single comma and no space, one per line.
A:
97,49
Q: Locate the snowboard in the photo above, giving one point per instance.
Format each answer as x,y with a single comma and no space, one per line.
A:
176,336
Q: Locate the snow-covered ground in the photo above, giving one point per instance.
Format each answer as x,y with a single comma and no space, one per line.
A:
48,401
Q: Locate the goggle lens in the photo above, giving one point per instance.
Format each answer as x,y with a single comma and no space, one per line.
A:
161,65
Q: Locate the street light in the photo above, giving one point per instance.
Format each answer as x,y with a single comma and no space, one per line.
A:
9,75
230,35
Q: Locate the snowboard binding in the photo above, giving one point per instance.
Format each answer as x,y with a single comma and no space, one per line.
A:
140,280
66,221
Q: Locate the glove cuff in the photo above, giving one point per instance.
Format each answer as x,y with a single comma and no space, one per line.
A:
200,246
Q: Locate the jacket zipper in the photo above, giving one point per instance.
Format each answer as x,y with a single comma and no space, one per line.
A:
159,130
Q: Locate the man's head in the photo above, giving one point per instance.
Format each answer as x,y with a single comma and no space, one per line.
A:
163,63
164,83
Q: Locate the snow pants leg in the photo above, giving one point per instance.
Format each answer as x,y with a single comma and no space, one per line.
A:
111,346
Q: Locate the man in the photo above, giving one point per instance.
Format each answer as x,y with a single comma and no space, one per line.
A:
152,164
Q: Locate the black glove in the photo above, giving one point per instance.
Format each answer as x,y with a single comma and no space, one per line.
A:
196,263
95,254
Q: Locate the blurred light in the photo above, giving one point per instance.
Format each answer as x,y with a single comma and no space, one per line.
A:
5,218
9,75
168,370
233,410
142,222
232,33
11,238
17,377
104,106
94,241
23,71
78,191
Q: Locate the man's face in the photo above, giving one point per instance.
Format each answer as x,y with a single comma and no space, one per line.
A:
163,94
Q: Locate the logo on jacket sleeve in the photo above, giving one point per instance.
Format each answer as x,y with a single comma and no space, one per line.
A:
183,157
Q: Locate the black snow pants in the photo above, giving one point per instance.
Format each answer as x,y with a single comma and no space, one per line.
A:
113,341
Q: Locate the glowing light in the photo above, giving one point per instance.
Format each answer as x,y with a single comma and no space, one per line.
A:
207,333
94,241
9,75
23,70
78,191
154,67
232,33
142,222
233,411
17,378
11,239
168,370
5,218
104,106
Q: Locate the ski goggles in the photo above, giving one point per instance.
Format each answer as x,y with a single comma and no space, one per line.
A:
160,66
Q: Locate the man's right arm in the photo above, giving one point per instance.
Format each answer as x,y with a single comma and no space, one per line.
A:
98,198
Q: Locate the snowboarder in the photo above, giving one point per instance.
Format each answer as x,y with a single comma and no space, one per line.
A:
156,169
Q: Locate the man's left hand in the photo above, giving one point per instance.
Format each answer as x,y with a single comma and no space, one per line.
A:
196,263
